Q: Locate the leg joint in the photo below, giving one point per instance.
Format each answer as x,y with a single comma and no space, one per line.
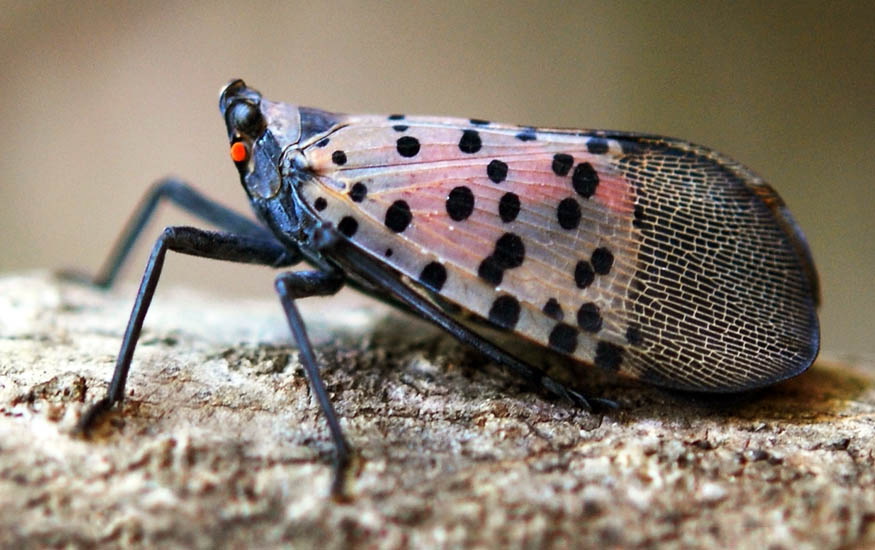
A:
303,284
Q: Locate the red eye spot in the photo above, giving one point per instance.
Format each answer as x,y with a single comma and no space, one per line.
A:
239,152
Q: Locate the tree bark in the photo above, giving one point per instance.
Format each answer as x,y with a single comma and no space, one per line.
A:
220,444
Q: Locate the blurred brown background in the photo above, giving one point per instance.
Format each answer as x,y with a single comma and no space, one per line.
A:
98,101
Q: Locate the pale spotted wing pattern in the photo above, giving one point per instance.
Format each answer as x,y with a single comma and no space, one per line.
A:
649,256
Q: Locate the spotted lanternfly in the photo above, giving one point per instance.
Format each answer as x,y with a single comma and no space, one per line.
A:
643,255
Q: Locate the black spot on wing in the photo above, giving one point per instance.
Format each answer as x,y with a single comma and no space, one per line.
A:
562,164
433,276
563,338
602,259
583,274
585,180
509,251
496,171
505,311
407,146
568,213
358,192
553,310
470,142
589,318
509,207
338,158
460,203
398,216
348,226
490,271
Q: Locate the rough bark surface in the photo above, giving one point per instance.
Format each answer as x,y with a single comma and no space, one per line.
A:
220,445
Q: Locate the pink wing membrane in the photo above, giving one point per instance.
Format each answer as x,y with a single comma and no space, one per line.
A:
426,180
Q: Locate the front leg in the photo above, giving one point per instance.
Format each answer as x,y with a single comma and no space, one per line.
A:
186,240
190,200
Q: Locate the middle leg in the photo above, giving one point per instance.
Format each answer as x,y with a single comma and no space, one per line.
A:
302,284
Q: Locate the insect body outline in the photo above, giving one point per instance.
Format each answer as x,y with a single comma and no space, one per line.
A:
643,255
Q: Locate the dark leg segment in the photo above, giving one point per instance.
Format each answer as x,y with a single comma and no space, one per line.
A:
190,200
302,284
187,240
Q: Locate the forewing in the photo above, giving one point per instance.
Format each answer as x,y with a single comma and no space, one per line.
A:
654,257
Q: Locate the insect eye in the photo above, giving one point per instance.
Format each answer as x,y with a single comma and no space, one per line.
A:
246,118
239,151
